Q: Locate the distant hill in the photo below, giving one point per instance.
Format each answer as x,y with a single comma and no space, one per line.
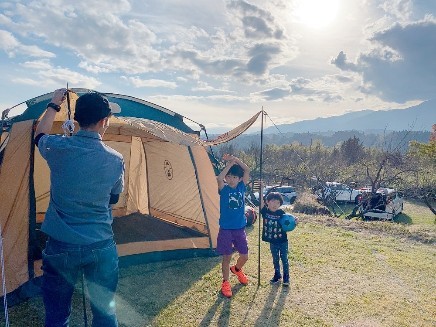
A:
398,139
417,118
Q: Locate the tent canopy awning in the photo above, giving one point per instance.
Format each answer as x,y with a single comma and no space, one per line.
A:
171,134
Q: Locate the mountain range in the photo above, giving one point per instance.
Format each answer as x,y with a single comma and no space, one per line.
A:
372,128
416,118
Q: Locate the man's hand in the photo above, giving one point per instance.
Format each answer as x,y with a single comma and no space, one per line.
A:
59,96
46,122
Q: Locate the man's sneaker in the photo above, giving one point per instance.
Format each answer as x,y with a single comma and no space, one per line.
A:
285,280
275,279
226,289
243,279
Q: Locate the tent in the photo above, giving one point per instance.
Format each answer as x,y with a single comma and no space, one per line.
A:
170,206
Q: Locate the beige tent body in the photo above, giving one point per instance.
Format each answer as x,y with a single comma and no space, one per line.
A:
169,208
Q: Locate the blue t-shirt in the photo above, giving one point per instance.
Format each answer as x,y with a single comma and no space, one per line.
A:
232,207
84,172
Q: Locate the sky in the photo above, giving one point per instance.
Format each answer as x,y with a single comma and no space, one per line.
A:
219,62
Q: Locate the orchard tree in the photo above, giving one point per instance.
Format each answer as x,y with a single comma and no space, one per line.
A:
352,150
423,160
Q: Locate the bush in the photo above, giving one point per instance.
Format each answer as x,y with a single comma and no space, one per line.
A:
308,204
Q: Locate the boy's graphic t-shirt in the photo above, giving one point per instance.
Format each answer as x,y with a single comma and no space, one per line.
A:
272,230
232,207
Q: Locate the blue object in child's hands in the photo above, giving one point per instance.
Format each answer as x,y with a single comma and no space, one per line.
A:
288,222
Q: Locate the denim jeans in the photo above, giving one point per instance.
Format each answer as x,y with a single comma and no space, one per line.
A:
63,263
280,251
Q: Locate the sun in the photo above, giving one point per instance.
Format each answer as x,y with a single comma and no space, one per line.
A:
316,13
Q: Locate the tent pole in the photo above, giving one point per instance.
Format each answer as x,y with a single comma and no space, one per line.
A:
260,194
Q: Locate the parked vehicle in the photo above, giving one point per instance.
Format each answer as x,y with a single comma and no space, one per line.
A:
340,192
288,192
385,204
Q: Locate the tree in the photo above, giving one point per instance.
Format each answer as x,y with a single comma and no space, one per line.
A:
423,159
352,150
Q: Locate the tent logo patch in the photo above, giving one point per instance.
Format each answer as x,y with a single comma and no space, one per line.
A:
168,169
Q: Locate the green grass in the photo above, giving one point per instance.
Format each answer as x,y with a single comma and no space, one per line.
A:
343,273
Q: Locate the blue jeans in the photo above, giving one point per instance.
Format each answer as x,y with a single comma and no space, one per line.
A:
280,251
63,263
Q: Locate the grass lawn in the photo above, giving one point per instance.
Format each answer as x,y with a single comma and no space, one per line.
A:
343,273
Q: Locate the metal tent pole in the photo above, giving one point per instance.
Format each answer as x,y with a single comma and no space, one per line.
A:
260,194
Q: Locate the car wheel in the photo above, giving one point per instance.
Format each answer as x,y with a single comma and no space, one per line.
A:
292,200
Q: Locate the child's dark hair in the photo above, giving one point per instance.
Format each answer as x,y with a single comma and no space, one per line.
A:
236,170
274,196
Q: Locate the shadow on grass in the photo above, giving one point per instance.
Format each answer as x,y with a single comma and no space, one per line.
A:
250,306
145,290
404,219
224,317
273,308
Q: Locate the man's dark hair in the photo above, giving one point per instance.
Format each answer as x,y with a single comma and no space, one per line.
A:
91,108
236,170
274,196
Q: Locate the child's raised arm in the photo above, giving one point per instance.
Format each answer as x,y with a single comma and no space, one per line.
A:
222,175
246,177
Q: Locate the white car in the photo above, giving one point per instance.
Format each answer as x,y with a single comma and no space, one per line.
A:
385,204
288,192
341,192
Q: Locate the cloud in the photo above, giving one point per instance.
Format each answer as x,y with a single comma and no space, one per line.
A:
401,65
342,63
209,66
14,48
275,93
123,38
37,65
205,87
139,83
322,90
100,36
42,74
399,9
261,56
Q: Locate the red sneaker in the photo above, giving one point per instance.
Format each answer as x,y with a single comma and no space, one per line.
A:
243,279
226,289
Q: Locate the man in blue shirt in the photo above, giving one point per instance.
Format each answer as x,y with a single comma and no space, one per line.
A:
86,177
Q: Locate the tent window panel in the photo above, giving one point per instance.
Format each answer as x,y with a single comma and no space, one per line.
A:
173,187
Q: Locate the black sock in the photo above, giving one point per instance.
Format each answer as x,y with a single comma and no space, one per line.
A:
236,268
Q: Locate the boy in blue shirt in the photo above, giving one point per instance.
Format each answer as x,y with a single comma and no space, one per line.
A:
231,186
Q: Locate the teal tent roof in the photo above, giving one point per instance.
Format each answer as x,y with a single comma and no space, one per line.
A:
130,107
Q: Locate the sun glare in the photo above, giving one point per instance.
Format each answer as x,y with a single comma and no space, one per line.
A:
316,13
